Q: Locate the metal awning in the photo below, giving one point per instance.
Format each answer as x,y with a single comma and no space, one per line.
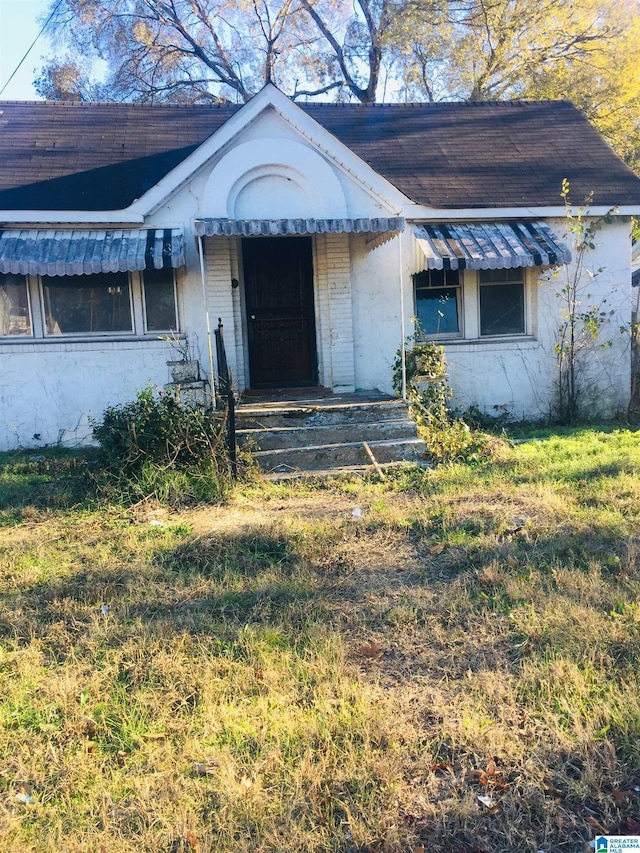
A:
489,245
279,227
78,252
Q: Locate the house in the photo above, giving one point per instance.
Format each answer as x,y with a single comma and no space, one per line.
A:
316,232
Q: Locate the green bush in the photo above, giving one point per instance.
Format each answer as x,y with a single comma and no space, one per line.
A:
448,438
158,446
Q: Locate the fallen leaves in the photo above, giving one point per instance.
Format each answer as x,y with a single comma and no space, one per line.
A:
630,826
371,650
192,840
596,823
621,798
491,776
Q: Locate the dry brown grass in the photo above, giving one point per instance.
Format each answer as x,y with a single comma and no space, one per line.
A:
275,675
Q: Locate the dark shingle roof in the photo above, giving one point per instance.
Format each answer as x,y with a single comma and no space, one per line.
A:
85,156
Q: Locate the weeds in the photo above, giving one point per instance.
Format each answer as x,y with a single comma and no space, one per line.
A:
159,447
448,438
277,674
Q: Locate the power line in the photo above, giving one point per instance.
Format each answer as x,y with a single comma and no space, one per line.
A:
46,24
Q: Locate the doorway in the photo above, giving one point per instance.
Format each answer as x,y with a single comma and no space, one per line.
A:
278,281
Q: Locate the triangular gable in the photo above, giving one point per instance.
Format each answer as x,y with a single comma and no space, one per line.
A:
340,156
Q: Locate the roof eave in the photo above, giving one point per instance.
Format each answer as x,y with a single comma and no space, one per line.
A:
127,216
418,212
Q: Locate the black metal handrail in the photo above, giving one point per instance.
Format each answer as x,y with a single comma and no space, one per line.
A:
225,387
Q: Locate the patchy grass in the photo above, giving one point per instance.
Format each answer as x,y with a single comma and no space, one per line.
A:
275,674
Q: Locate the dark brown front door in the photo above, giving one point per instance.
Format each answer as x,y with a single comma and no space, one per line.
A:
278,279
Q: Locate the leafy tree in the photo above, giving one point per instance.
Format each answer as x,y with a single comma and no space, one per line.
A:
193,50
69,79
587,51
207,49
356,61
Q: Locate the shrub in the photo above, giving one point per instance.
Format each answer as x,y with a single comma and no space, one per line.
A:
448,438
158,446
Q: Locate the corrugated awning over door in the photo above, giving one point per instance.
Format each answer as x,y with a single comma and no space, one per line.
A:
80,252
489,245
281,227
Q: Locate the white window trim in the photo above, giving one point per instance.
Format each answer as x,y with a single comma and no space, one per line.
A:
122,333
526,309
445,337
143,303
139,331
469,311
30,336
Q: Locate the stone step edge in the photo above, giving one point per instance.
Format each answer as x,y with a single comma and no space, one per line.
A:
351,425
340,471
391,442
244,411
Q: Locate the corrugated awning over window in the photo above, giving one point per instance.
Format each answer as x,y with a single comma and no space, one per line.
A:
79,252
280,227
489,245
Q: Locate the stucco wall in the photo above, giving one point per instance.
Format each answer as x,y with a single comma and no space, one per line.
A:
517,374
377,325
520,375
49,391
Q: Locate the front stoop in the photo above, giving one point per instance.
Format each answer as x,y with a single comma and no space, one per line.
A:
323,437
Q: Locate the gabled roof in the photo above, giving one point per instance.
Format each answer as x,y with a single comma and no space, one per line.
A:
89,156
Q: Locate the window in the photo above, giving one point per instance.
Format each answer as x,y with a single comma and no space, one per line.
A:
83,304
438,302
502,298
15,317
160,300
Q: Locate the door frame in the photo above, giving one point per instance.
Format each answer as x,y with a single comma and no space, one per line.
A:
313,329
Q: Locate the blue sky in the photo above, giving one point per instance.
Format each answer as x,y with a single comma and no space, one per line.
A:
18,28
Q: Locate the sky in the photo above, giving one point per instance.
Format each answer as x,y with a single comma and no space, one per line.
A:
18,28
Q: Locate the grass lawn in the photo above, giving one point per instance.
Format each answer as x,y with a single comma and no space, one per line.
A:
454,670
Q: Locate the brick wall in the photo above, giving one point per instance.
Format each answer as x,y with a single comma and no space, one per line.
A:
220,296
334,315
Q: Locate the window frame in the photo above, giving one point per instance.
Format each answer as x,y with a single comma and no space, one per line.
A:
521,273
143,297
458,286
35,289
31,334
127,333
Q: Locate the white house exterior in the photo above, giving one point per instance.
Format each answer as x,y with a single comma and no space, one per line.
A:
271,195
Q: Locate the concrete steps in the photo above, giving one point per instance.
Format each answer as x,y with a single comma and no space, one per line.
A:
293,439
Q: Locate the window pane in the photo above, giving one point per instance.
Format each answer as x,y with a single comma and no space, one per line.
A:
14,305
502,309
160,300
437,278
437,310
87,303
